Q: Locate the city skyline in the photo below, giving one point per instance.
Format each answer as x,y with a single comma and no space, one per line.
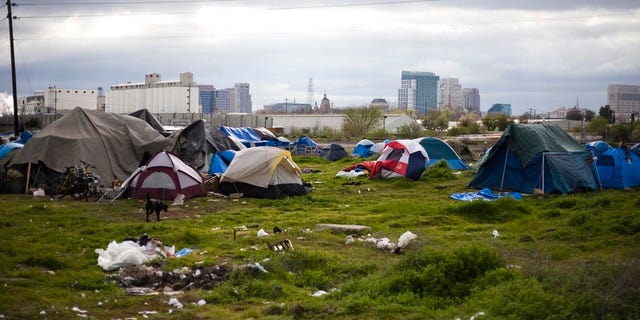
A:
530,54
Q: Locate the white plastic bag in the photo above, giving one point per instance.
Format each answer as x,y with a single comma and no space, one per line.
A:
127,253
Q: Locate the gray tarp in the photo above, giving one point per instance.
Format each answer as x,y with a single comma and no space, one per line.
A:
113,143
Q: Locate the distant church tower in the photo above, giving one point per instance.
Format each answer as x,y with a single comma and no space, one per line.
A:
325,105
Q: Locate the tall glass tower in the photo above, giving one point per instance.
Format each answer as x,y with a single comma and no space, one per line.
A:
426,90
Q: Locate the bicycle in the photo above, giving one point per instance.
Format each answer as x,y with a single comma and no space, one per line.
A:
79,182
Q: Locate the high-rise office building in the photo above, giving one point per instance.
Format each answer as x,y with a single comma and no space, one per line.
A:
241,98
449,93
498,108
624,99
423,91
207,98
471,100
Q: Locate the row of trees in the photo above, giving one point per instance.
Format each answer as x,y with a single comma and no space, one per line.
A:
367,121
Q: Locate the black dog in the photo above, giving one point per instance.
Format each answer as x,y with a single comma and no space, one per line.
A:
155,205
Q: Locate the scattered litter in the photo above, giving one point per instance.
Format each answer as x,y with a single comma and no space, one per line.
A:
284,245
175,303
476,315
276,230
78,310
147,312
262,233
140,291
43,312
179,199
319,293
256,266
201,302
39,193
183,252
130,253
349,240
215,228
386,244
495,233
351,174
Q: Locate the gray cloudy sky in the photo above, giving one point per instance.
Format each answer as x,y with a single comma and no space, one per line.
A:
533,54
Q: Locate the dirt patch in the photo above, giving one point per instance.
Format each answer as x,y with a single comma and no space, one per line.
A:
148,280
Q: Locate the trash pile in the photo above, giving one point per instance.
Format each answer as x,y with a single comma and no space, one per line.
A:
132,252
384,243
149,280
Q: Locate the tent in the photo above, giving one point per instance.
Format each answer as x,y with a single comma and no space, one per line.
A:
615,170
262,172
439,150
362,149
114,144
148,117
283,142
198,140
220,161
266,135
597,147
333,152
535,156
399,158
165,176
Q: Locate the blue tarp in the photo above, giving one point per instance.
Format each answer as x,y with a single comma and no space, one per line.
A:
7,147
220,161
301,146
246,135
485,194
597,147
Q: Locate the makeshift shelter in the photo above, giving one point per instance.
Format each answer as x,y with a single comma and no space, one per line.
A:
399,158
148,117
378,146
283,142
618,168
262,172
164,177
246,135
536,156
333,152
198,141
114,144
362,149
305,146
266,135
439,150
220,161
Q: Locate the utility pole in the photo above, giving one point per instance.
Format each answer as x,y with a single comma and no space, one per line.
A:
13,71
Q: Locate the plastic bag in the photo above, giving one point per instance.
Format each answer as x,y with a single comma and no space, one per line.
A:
122,254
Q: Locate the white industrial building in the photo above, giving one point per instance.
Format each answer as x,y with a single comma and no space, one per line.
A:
69,99
155,95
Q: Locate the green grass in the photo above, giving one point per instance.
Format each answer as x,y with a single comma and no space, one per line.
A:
571,256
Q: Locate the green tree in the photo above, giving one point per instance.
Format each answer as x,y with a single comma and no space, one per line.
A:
599,126
496,122
574,114
607,113
359,121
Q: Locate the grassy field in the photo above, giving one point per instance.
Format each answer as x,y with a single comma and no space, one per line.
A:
571,256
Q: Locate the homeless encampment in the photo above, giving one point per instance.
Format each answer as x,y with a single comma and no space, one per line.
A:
399,158
195,143
113,144
164,177
262,172
536,156
439,150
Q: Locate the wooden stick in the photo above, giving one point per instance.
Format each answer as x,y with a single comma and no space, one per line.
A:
26,188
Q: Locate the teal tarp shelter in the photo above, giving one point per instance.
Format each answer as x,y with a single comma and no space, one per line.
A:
536,156
439,150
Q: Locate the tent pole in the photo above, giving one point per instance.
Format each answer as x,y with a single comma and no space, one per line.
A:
543,173
504,168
